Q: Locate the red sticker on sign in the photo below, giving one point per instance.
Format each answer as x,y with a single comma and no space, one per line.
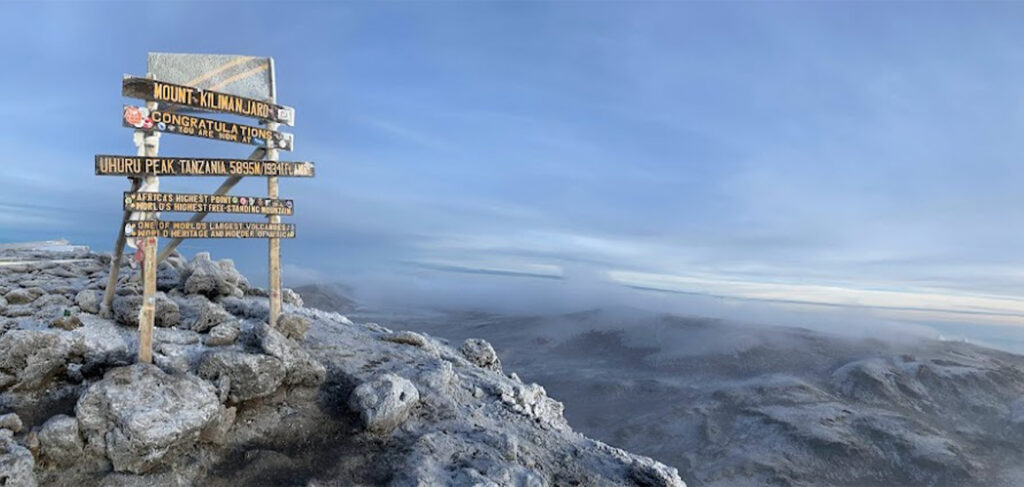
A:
133,116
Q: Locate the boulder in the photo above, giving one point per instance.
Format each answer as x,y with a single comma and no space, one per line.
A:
301,368
126,310
16,462
141,418
210,315
3,303
60,442
66,322
222,334
11,422
89,300
289,296
213,279
293,326
480,353
30,359
384,402
249,376
23,296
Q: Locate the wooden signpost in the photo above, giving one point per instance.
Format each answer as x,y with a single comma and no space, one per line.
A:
235,85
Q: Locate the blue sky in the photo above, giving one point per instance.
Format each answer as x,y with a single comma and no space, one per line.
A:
854,153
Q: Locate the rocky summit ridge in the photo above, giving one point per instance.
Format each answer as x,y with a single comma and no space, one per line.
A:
316,401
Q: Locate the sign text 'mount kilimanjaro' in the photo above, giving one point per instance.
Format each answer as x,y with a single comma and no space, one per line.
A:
206,203
187,229
143,118
160,91
111,165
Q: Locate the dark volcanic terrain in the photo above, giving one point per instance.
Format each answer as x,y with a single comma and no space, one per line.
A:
733,405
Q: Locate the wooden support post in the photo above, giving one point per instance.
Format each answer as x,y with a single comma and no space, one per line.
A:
226,186
147,314
115,260
274,244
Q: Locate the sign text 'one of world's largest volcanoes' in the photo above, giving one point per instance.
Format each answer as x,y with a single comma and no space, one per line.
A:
143,118
112,165
187,96
189,229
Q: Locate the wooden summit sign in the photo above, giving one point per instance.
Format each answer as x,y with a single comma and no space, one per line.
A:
109,165
176,229
235,85
188,96
206,203
178,123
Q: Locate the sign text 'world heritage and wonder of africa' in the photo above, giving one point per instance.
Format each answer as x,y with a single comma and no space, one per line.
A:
187,96
202,229
112,165
143,118
206,203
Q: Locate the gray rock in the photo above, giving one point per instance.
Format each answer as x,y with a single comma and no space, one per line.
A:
3,304
213,279
384,402
301,368
23,296
16,463
289,296
10,421
66,322
210,315
31,359
222,334
293,326
60,442
141,418
480,353
126,310
89,300
250,376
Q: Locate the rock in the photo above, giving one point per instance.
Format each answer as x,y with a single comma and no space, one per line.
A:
141,418
250,376
218,431
222,334
10,421
407,337
168,277
51,301
59,440
89,300
23,296
212,279
289,296
16,463
33,358
293,326
66,322
210,315
126,310
246,308
384,403
3,304
480,353
302,369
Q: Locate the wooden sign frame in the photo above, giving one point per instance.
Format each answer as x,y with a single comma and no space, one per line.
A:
135,166
208,100
142,118
187,229
206,203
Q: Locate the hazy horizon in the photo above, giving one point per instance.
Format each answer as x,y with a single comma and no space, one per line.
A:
807,162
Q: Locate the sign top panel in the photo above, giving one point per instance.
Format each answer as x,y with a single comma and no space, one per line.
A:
205,100
247,76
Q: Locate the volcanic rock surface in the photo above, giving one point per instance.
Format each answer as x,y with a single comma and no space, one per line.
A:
231,401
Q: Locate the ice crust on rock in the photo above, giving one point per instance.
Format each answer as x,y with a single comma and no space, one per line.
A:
232,395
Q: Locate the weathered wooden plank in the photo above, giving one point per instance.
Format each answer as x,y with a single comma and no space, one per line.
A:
190,229
206,203
147,314
114,165
188,96
142,118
